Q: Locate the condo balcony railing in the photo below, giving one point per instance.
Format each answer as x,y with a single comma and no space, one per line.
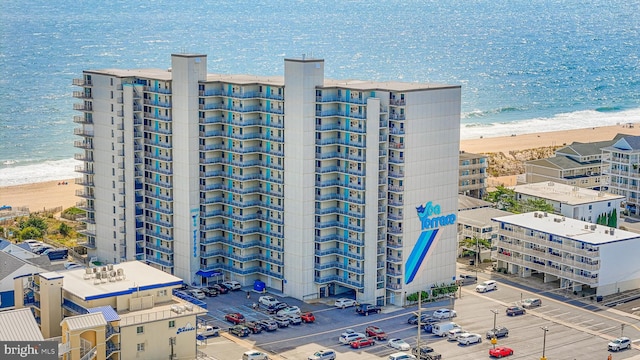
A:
337,210
158,130
81,95
159,261
359,129
157,90
341,197
164,104
343,99
340,238
397,102
338,251
158,235
335,278
82,82
345,142
160,248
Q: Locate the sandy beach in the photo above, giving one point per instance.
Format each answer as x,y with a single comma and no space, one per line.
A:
50,194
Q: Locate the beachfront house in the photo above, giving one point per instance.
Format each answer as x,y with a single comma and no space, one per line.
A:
577,164
621,165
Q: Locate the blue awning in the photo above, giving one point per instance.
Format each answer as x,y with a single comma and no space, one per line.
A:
208,273
107,311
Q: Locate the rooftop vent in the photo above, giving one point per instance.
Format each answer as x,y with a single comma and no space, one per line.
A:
586,227
593,226
611,231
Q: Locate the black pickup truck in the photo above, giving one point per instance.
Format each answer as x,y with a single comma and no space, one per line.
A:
425,353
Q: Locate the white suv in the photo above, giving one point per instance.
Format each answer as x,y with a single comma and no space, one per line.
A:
487,286
619,344
326,354
344,303
268,300
347,339
254,355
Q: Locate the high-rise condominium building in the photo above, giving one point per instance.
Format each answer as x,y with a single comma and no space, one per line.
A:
314,186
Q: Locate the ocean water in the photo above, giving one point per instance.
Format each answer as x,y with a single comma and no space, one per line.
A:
524,66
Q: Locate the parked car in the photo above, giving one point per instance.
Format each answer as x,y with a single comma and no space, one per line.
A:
210,292
267,300
453,334
444,314
401,356
232,285
366,309
281,320
488,285
289,310
500,351
308,317
254,355
253,326
221,289
469,338
208,331
294,319
346,339
515,310
399,344
424,318
277,307
531,303
324,354
619,344
345,303
498,332
239,330
235,318
425,352
375,332
357,344
197,293
268,325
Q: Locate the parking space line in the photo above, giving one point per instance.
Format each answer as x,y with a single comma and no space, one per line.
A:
582,322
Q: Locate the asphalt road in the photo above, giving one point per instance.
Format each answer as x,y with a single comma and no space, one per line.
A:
575,331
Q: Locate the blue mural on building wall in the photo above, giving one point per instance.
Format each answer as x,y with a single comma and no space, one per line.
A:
430,221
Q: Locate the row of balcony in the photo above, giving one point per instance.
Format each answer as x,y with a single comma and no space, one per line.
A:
241,258
342,126
341,280
240,229
240,203
566,274
241,94
242,149
586,252
340,169
244,121
240,244
337,210
341,183
245,176
242,109
244,271
244,217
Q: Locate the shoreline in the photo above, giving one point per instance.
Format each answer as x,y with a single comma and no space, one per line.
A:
38,196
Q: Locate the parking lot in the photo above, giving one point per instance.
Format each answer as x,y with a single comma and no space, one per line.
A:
573,332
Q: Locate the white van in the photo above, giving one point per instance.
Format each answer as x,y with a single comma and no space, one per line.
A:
487,286
442,329
254,355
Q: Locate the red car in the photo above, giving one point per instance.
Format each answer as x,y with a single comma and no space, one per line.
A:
362,343
500,352
307,317
375,332
235,318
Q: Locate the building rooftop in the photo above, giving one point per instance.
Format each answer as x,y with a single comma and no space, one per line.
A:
467,202
566,194
468,156
569,228
480,217
135,276
19,325
85,321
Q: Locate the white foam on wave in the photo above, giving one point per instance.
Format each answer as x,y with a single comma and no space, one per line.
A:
16,174
567,121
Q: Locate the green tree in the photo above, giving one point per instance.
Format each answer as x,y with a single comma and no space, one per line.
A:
64,229
613,219
33,221
503,197
535,205
30,233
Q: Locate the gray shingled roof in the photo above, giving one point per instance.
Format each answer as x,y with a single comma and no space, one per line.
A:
9,265
561,162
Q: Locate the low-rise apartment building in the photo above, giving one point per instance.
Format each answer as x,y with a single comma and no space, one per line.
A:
472,179
621,165
124,311
573,201
478,224
578,255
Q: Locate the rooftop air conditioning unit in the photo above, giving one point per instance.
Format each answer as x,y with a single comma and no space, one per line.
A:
593,227
611,231
586,227
546,214
606,231
550,183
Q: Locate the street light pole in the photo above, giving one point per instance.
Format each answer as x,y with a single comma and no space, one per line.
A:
544,342
495,313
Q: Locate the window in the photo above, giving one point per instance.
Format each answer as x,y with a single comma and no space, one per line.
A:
140,330
172,323
141,347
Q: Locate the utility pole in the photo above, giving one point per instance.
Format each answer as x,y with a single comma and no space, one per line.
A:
621,330
419,318
493,340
